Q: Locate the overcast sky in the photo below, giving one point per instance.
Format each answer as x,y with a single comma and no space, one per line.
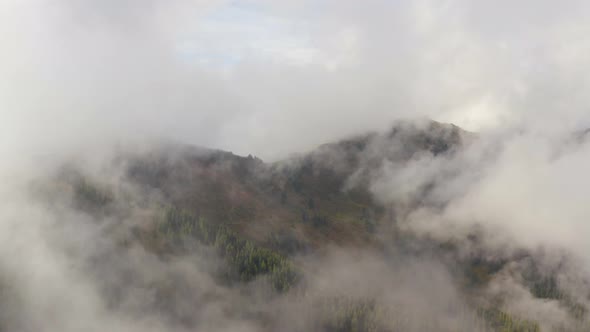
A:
276,77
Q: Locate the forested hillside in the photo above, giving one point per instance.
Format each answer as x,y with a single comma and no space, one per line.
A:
207,240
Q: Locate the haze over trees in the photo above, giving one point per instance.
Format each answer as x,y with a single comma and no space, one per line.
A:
205,239
294,166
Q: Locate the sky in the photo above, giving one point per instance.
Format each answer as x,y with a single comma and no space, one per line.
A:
274,78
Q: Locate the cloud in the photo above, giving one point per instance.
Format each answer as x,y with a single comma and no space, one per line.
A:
95,70
272,78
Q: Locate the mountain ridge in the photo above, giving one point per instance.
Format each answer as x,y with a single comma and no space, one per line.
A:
269,220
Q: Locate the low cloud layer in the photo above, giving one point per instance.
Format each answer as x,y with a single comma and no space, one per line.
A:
79,80
93,71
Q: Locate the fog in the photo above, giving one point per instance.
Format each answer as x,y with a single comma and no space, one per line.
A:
251,76
82,81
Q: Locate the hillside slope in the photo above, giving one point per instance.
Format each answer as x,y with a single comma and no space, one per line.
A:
294,223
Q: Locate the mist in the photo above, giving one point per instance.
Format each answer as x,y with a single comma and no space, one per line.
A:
109,99
208,72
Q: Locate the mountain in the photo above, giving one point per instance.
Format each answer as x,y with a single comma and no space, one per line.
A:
287,223
304,196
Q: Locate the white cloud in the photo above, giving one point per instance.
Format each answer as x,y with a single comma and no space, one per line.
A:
252,76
